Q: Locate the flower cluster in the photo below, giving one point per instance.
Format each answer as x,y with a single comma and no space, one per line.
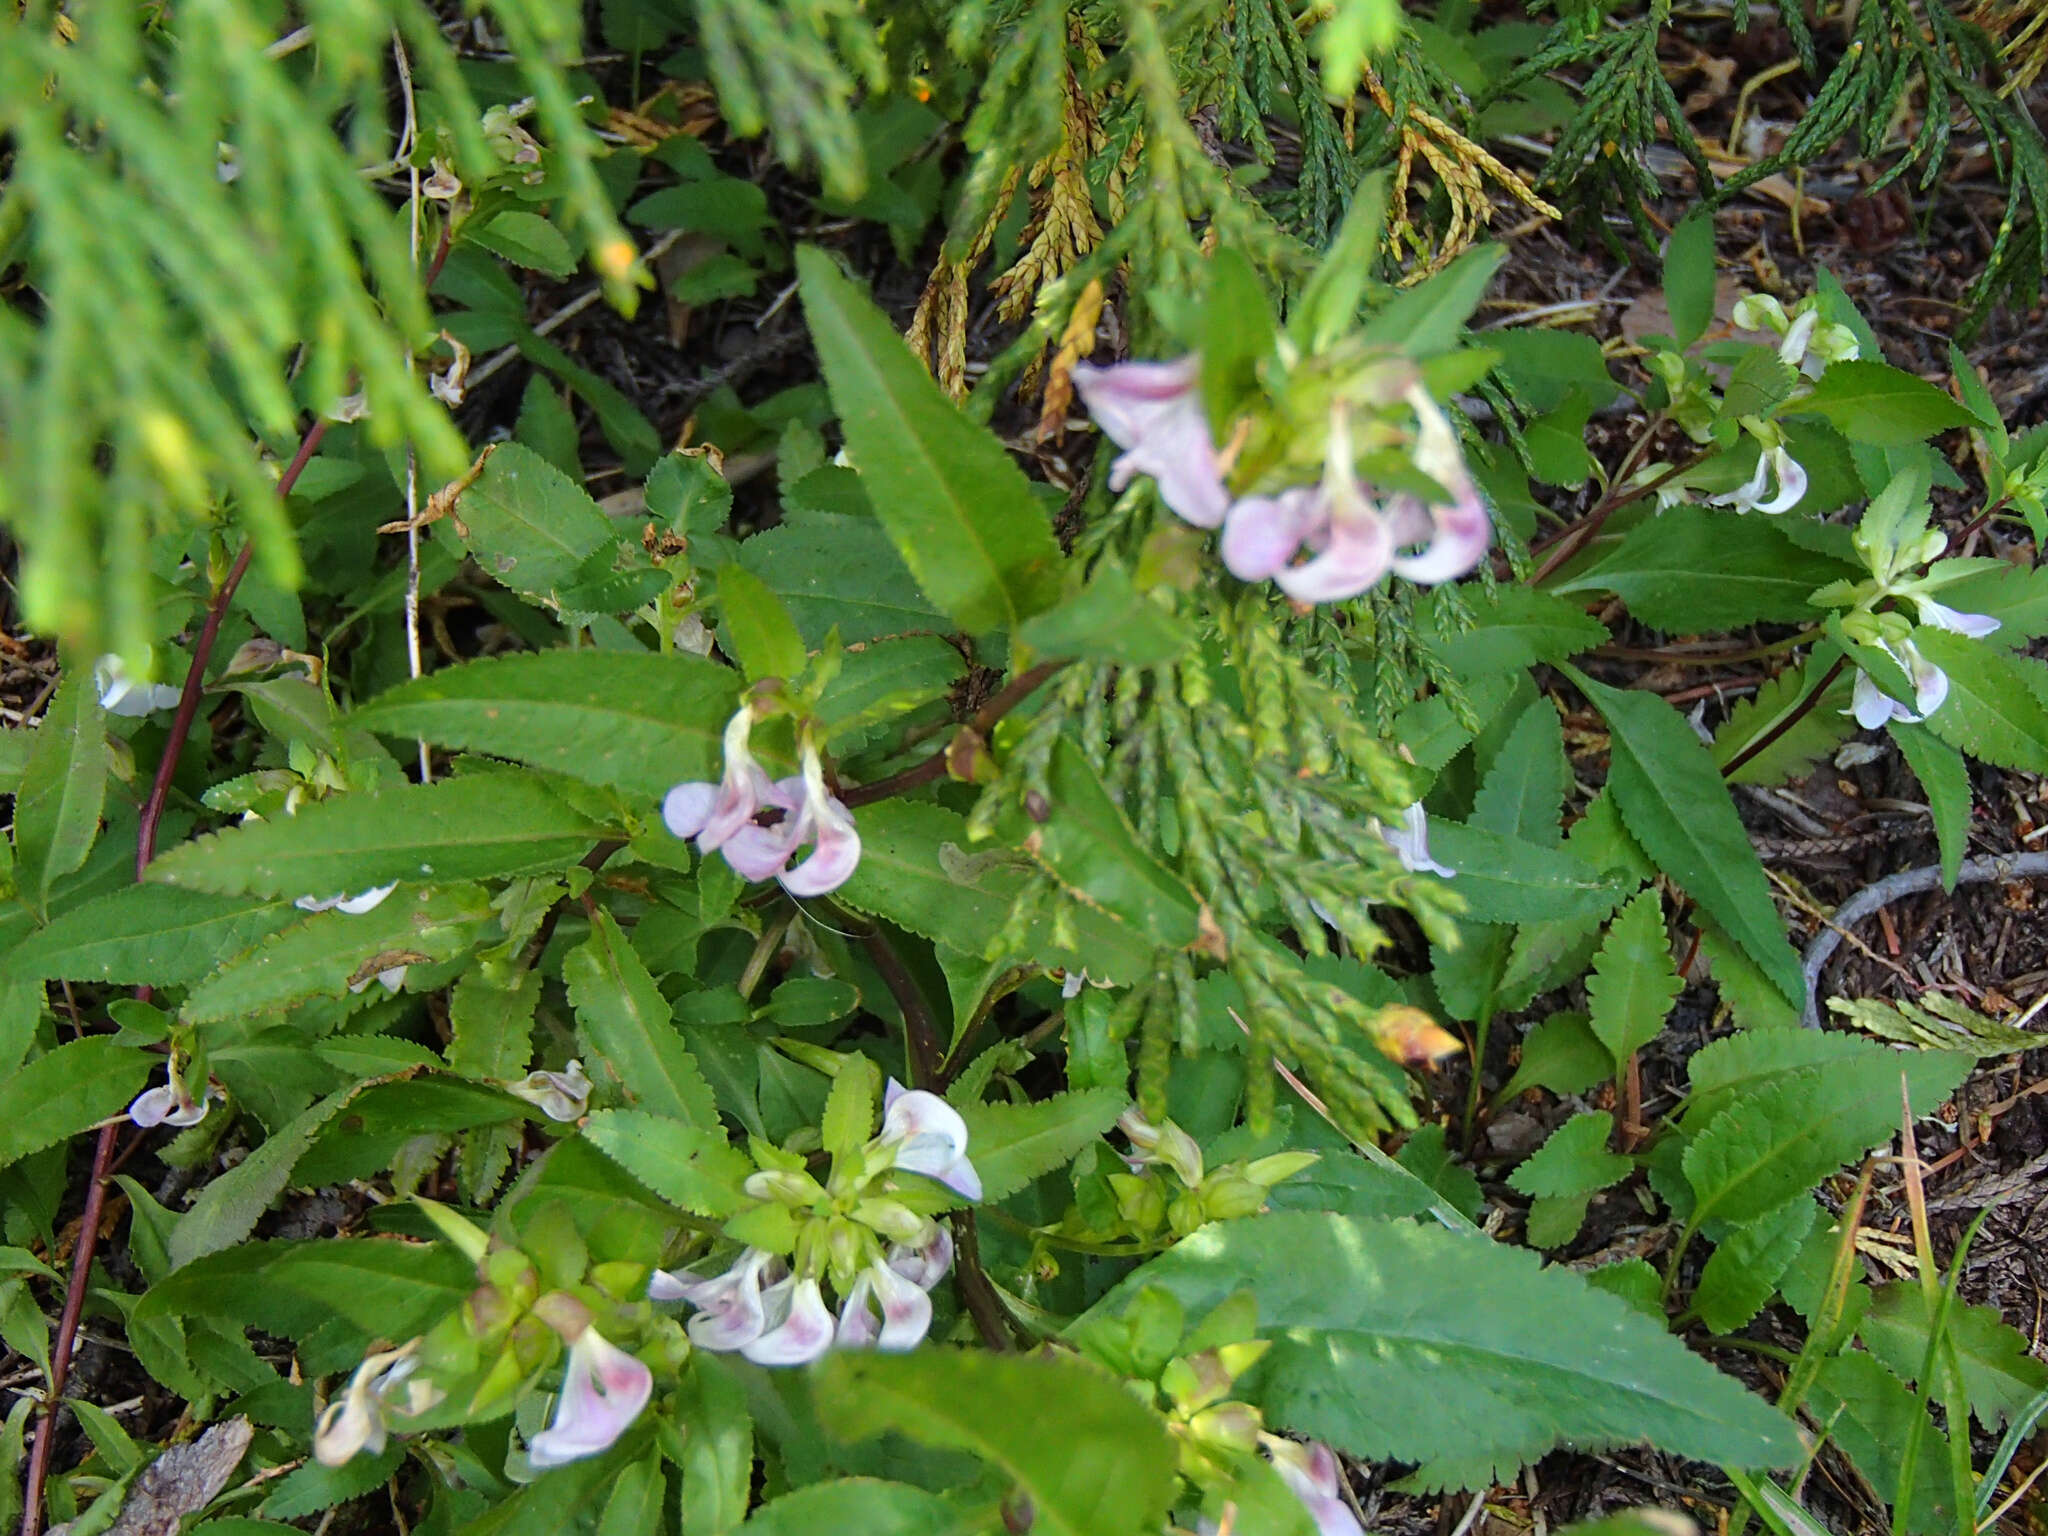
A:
1873,707
1319,543
863,1230
759,823
482,1358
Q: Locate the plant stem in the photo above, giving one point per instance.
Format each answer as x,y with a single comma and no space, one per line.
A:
933,768
991,1318
1793,716
1617,495
922,1051
103,1149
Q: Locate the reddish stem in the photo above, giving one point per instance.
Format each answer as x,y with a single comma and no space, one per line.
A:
103,1149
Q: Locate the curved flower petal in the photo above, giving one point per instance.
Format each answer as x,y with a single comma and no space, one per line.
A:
906,1309
123,695
347,1427
826,819
858,1325
1154,412
1791,482
761,853
1311,1472
1460,529
741,789
930,1138
731,1311
1749,493
1940,616
152,1106
924,1264
1359,553
356,906
560,1095
687,807
1411,842
804,1332
1262,533
1930,683
1873,707
1792,350
603,1391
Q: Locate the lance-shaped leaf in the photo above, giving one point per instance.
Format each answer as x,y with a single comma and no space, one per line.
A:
1671,798
1012,1144
638,723
66,1091
147,933
688,1166
1999,1374
1088,846
631,1029
467,828
1994,708
63,786
960,513
1506,880
1401,1342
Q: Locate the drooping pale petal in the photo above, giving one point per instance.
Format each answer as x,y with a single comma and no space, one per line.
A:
1791,482
391,978
906,1309
730,1310
356,906
1940,616
603,1391
1873,707
1153,411
1460,530
830,824
560,1095
858,1326
171,1104
1410,842
1359,553
1930,683
1792,350
1262,533
123,695
804,1330
356,1422
930,1138
740,791
1760,312
1312,1473
924,1264
153,1106
1744,497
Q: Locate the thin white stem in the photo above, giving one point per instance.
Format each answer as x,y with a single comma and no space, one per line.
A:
499,359
412,465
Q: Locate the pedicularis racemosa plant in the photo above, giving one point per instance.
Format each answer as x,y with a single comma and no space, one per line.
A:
883,1013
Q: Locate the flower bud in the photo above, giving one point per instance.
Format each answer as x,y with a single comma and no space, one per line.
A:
893,1219
796,1190
1229,1195
1268,1171
1227,1426
1138,1202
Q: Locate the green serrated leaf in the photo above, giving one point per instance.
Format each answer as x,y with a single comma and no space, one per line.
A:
1746,1265
1945,780
1562,1054
1634,982
886,679
1507,880
146,933
67,1090
1086,843
864,1504
635,722
326,953
1751,999
1765,1147
63,786
1362,1314
1517,628
1109,620
1012,1144
2000,1375
1430,317
1869,1413
1872,402
1108,1472
959,511
631,1028
1691,569
1523,793
1672,800
840,572
468,828
1574,1160
1994,708
228,1209
755,629
529,525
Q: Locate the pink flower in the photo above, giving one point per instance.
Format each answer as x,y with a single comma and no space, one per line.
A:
710,813
1153,411
603,1391
924,1264
1312,1473
1262,533
1940,616
799,1327
906,1311
1352,537
730,1311
810,814
1455,533
929,1137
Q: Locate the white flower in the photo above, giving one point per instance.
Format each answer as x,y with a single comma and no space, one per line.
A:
391,978
730,1311
172,1103
560,1095
929,1138
121,694
799,1327
906,1311
1411,842
1939,616
603,1391
1873,707
359,1421
1752,497
355,906
924,1264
